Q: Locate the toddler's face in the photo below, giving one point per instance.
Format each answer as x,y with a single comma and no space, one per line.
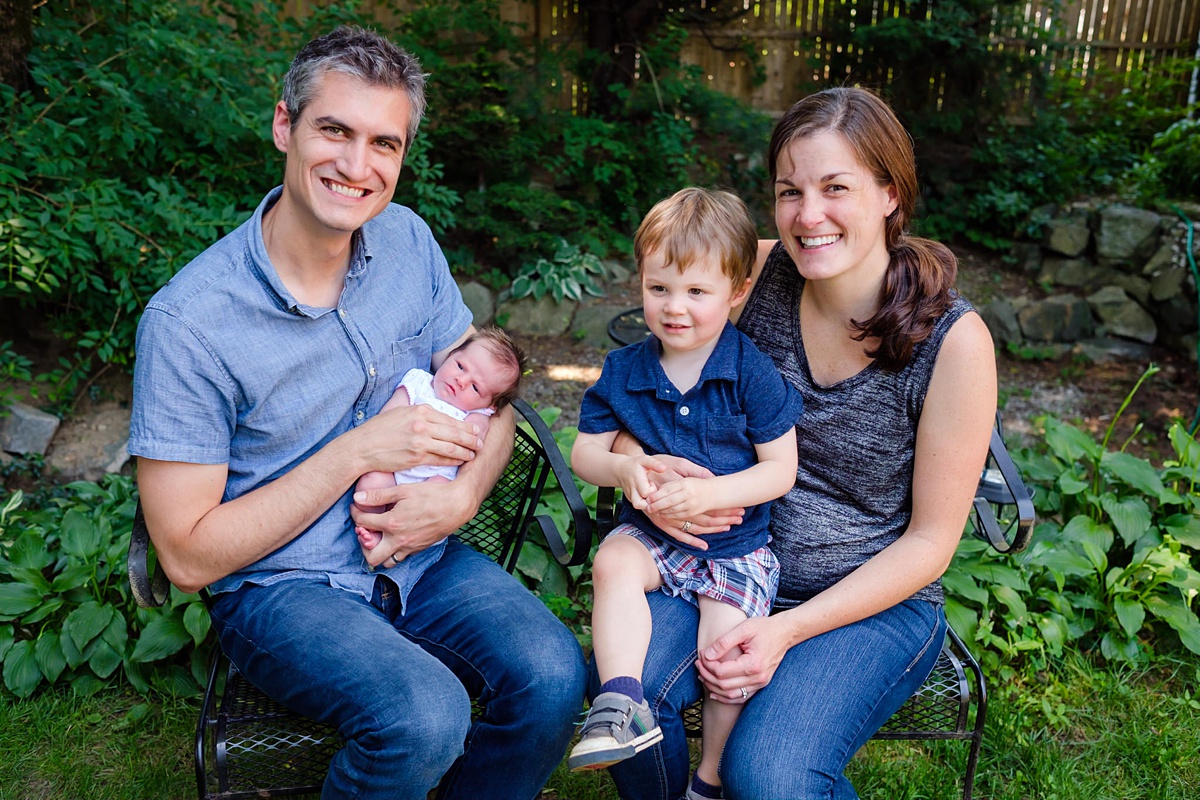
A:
471,378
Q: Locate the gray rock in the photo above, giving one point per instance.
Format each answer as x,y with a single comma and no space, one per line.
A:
1127,234
1001,319
1027,256
1073,272
91,445
1163,258
1106,349
617,271
536,317
27,430
1068,237
590,323
1122,316
1167,283
480,300
1061,318
1176,314
1135,286
1190,209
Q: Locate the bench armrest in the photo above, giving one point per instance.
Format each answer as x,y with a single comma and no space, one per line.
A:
149,590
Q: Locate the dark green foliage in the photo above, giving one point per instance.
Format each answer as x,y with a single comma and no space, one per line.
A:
66,611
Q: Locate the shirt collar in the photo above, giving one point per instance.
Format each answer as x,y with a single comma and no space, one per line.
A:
360,255
722,364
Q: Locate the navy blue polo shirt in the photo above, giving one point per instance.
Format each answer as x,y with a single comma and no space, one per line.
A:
740,401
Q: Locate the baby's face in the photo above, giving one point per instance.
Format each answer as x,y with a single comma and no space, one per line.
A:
470,378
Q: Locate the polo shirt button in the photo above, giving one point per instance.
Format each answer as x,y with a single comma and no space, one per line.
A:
371,372
359,415
684,411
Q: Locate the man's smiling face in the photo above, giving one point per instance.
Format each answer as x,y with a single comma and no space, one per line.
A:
344,154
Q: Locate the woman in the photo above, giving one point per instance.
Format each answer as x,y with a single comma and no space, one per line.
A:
899,384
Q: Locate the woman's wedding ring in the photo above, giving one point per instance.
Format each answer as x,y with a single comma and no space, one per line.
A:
687,526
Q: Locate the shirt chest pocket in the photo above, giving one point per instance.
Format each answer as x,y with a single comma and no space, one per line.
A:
398,357
729,448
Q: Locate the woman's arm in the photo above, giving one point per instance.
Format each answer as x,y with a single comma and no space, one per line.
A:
951,447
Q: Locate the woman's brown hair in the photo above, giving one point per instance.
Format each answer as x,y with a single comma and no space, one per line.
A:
919,284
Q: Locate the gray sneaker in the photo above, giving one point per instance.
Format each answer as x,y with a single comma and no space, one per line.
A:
615,729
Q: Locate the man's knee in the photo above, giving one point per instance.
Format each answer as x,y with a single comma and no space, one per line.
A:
433,723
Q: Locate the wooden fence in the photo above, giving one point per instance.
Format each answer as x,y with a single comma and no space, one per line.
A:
1125,42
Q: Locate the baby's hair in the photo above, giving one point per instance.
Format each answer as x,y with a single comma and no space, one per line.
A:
508,353
695,222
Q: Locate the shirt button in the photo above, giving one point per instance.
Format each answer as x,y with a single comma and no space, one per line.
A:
684,411
371,372
342,313
359,415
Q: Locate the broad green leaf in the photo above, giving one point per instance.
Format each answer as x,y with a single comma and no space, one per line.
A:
1185,528
21,672
6,639
1054,630
71,653
1084,529
29,551
1069,484
1011,599
533,562
17,598
962,619
80,536
1131,516
138,675
1069,443
1067,560
30,577
104,660
196,621
1180,617
116,635
960,585
1003,575
1130,613
1187,449
49,655
164,636
1136,472
72,577
86,622
1096,555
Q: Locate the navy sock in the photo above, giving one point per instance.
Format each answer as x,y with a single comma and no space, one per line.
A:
705,789
630,687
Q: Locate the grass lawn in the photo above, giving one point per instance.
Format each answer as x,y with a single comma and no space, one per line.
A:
1073,732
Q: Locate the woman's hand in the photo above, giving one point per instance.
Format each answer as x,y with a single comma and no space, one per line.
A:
715,521
763,642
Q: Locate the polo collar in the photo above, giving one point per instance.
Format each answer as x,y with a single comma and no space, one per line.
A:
722,364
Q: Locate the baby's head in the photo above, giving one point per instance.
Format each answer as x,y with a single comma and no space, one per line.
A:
697,225
483,372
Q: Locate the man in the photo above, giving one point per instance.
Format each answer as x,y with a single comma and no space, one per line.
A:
261,370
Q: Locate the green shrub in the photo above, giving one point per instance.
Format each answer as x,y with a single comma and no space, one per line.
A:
66,611
1111,571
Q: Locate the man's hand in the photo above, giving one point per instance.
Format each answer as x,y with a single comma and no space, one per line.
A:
410,435
422,514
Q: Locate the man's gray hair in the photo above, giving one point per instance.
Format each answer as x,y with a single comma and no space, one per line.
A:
362,54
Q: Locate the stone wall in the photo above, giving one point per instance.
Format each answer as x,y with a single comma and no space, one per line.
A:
1117,279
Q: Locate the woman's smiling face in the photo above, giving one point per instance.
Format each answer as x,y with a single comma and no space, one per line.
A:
829,209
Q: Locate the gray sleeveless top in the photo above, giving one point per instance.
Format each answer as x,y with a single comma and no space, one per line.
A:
856,438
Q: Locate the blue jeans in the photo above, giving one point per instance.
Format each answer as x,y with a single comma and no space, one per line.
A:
399,688
796,735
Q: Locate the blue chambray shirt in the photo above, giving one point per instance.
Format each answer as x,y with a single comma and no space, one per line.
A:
231,369
740,400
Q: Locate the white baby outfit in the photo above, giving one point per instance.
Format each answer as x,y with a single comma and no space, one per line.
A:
418,383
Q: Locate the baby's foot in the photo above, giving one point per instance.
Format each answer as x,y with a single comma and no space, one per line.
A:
368,539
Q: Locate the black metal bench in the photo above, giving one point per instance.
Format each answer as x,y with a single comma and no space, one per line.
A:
249,746
952,703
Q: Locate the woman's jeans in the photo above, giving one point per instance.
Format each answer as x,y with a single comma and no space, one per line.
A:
795,736
399,688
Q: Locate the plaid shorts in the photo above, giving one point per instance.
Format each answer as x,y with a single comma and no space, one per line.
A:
747,582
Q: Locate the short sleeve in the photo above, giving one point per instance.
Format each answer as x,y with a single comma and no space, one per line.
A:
772,405
450,314
184,402
596,413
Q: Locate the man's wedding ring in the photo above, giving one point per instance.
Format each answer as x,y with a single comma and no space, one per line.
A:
745,694
687,526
